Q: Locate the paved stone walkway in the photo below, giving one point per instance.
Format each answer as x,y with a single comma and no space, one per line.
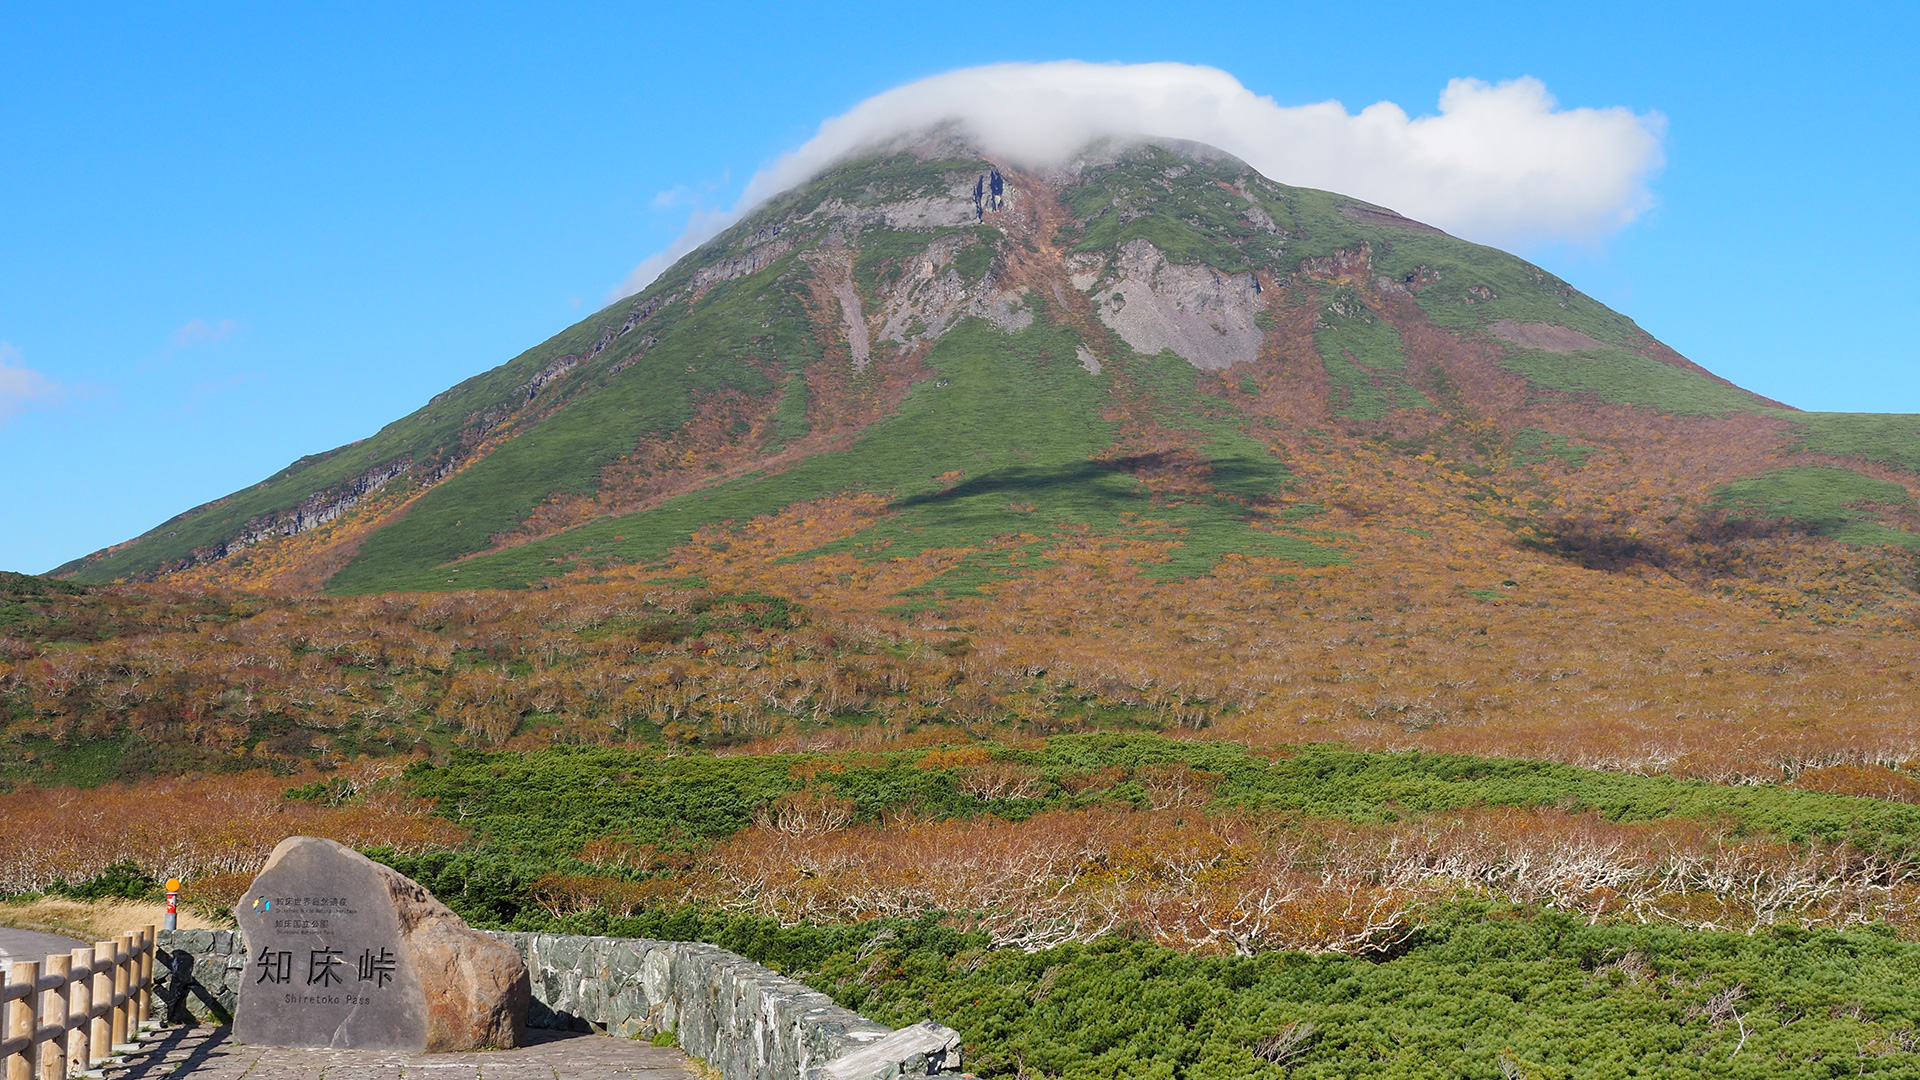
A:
209,1053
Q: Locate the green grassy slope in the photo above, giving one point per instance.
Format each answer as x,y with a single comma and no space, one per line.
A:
1628,378
1888,438
731,337
1823,501
1365,364
1015,413
709,349
1176,204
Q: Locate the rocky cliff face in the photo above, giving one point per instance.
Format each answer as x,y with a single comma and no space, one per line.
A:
1206,317
318,509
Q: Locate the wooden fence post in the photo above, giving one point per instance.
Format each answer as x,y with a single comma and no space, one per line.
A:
137,986
122,989
53,1016
148,946
80,1011
102,1011
23,1018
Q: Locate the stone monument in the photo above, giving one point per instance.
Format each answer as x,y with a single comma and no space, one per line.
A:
348,954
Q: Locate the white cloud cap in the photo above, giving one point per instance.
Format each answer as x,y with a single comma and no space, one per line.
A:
1500,163
21,387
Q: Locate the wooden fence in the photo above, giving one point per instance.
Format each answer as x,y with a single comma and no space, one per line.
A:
71,1013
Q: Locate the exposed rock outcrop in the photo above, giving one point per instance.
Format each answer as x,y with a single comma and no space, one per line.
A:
1544,336
833,267
917,214
854,320
314,511
547,375
766,246
1202,314
988,192
1346,264
932,295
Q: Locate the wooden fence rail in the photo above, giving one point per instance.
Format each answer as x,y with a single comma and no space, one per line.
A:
70,1013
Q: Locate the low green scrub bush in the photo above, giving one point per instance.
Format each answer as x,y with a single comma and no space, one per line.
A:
539,808
1483,990
1488,992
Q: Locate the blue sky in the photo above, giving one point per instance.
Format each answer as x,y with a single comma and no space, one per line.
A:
230,236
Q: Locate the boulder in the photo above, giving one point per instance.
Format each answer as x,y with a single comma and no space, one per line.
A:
348,954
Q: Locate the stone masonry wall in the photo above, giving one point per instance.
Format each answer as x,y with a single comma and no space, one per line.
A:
747,1021
218,960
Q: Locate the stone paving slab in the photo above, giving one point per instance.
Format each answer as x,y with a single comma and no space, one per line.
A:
209,1053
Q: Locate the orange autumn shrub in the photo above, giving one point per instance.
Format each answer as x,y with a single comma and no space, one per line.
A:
561,894
1234,882
1869,781
194,828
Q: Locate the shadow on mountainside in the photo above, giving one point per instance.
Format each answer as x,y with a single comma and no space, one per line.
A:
1114,483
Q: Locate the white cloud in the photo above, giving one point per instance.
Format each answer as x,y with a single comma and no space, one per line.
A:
202,332
1499,163
683,196
21,387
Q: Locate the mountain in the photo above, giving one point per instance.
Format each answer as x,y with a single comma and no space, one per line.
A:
928,360
951,561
